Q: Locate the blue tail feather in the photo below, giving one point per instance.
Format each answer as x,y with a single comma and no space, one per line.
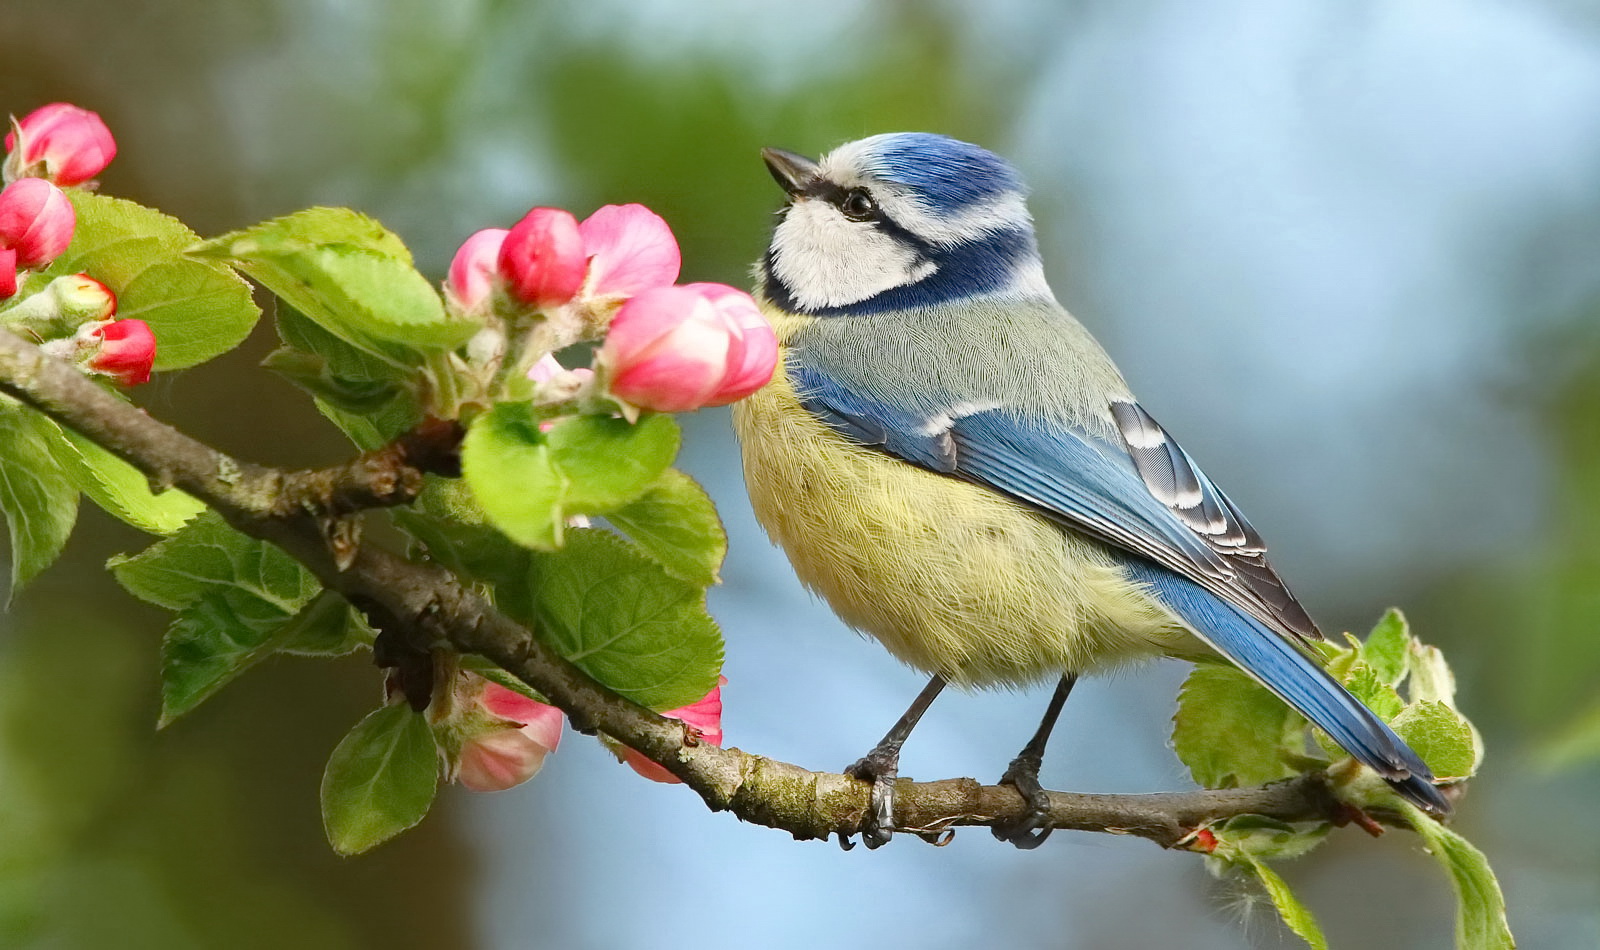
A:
1298,680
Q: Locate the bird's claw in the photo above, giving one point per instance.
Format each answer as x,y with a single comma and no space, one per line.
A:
1029,831
877,825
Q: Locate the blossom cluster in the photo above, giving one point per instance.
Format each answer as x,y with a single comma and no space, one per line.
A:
73,315
666,348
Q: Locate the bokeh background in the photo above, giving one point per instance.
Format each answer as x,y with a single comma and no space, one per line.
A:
1346,250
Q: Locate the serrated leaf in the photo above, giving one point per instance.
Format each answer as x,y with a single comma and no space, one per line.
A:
1295,915
326,626
1431,678
1231,731
622,619
350,275
608,462
1480,907
197,309
233,595
530,481
676,523
38,500
1444,739
208,556
1365,684
380,780
505,459
311,373
122,490
1388,647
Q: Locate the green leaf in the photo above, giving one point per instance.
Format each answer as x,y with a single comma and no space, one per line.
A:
1445,740
349,274
197,309
494,674
209,556
1388,647
380,780
122,490
1431,677
608,462
327,626
1231,731
623,620
1246,838
530,481
1365,684
1295,915
505,459
37,498
233,595
676,523
1480,907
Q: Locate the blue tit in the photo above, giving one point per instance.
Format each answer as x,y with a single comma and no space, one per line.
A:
951,460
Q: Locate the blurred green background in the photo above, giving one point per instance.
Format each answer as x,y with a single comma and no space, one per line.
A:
1346,250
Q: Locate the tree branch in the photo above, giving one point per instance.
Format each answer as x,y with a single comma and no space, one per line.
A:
425,607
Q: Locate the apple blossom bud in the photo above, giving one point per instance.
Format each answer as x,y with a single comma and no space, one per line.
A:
126,353
59,142
509,741
542,260
8,273
631,250
667,349
752,367
36,221
61,308
678,348
704,716
473,270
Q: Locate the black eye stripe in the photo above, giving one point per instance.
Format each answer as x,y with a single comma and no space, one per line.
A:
842,198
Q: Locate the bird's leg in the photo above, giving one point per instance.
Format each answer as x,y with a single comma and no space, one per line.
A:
881,767
1022,774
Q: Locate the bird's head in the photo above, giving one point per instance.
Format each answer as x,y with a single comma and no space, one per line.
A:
898,221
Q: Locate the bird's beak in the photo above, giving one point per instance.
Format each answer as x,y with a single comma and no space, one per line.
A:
792,172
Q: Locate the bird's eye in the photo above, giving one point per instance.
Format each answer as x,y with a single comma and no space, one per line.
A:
858,205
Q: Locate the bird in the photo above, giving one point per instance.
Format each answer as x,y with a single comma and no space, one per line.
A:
957,467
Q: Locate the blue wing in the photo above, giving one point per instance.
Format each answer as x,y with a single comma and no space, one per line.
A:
1188,544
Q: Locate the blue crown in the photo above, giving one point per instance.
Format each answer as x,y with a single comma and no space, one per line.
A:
950,174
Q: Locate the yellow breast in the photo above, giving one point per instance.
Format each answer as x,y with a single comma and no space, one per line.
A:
951,577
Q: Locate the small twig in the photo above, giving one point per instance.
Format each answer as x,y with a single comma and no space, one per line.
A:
421,607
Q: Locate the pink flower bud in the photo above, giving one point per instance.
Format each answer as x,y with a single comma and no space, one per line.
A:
36,221
542,259
667,349
62,143
510,745
127,351
704,716
473,271
8,273
630,250
752,366
678,348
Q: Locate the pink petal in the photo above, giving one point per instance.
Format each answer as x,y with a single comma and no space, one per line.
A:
631,250
752,362
474,269
499,760
36,220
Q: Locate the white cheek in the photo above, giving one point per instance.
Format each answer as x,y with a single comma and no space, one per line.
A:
827,260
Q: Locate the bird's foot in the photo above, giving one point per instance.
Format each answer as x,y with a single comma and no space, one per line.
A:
880,767
1029,831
